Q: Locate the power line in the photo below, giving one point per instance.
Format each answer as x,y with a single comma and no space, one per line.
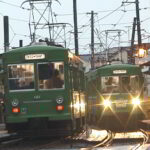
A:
10,4
105,11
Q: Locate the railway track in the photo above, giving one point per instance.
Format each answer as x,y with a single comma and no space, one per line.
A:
133,143
82,142
75,142
145,140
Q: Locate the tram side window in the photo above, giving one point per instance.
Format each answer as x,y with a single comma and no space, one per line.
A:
75,79
78,79
51,75
21,76
82,80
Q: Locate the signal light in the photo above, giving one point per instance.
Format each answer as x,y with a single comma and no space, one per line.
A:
142,52
59,107
15,110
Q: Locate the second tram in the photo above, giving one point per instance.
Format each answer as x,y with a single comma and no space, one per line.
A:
115,97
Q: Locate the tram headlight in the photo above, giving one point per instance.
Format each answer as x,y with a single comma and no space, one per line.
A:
59,100
107,103
136,101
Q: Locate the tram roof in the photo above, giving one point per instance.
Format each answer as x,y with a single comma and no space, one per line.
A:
108,70
35,48
116,66
52,53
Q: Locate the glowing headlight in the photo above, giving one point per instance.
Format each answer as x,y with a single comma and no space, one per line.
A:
107,103
136,101
59,100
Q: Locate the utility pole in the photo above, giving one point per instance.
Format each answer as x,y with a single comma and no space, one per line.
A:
92,39
75,27
132,60
6,33
138,23
137,20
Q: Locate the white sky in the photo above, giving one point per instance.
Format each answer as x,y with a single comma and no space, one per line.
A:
105,19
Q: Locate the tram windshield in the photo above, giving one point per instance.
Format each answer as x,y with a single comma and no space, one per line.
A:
21,76
51,75
117,84
110,84
130,84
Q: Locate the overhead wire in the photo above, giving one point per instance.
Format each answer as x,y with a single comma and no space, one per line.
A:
10,4
103,11
107,16
113,26
78,13
119,23
87,25
99,35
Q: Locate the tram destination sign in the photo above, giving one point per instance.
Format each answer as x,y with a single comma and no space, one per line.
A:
119,71
34,56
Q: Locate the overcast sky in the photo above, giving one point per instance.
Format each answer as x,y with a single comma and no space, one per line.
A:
109,14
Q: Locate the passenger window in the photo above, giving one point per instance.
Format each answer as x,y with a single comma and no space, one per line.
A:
51,75
21,76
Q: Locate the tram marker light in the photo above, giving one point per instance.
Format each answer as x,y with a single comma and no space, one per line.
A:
16,110
59,107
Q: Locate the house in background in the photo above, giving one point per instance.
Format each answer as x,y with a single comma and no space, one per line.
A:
113,54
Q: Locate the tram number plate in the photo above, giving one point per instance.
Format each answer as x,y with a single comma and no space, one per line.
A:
122,105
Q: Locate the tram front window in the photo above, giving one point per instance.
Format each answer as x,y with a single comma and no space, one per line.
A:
130,84
126,87
51,75
21,77
110,84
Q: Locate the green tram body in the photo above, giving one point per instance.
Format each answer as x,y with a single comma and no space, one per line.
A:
33,105
115,97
